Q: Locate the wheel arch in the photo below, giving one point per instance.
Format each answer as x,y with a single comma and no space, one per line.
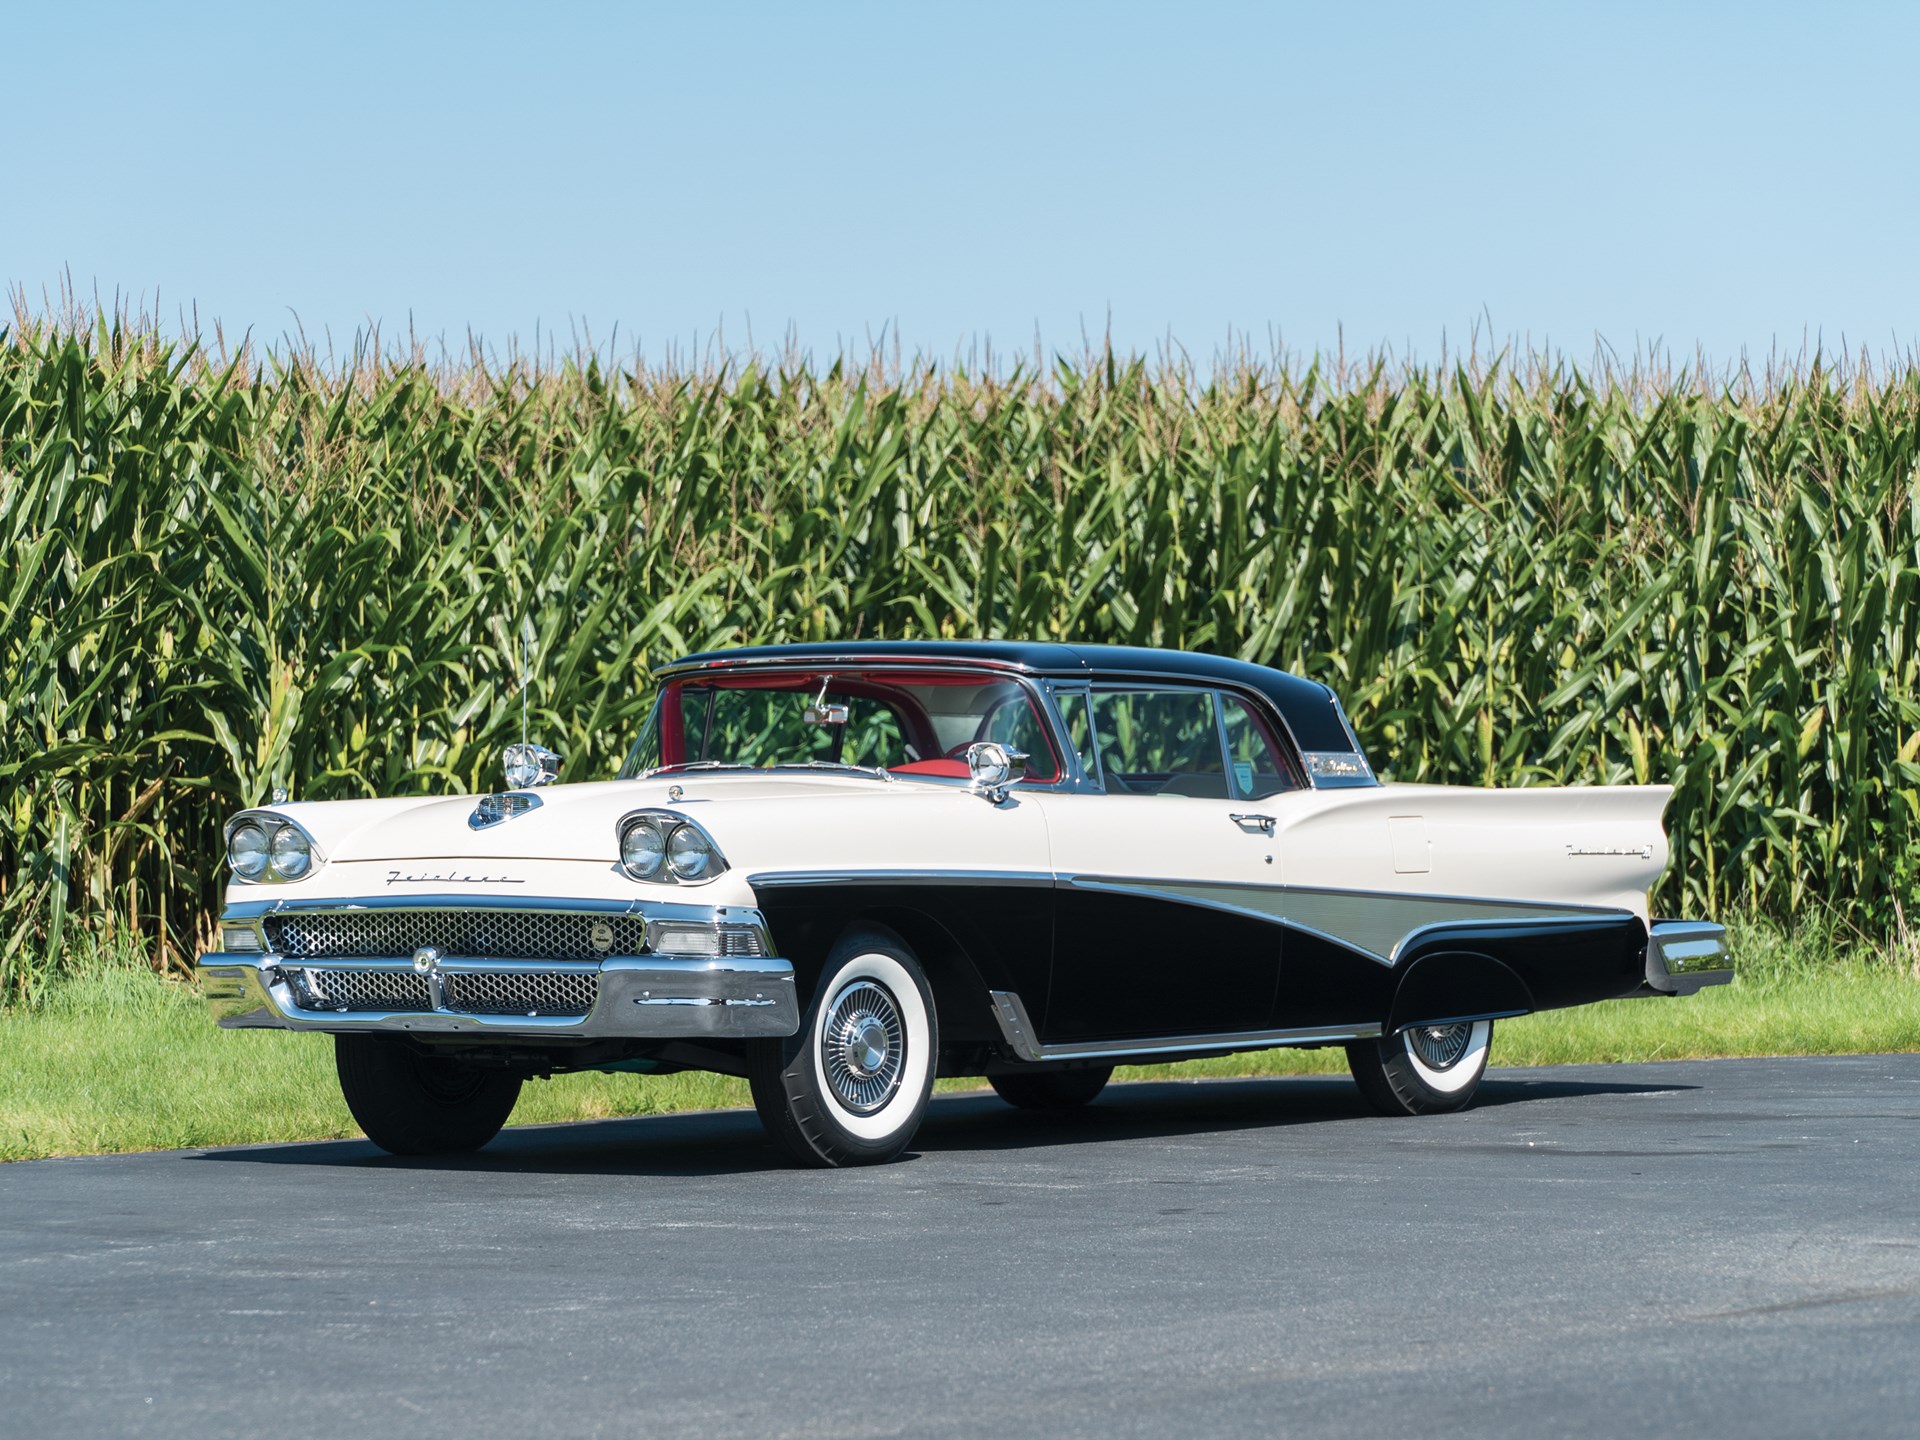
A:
1449,985
805,930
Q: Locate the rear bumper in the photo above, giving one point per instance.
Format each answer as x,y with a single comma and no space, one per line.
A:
1687,955
639,997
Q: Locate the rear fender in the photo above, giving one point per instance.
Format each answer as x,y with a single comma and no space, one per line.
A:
1457,985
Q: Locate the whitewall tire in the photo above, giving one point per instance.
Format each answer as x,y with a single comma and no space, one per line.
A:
1423,1070
851,1087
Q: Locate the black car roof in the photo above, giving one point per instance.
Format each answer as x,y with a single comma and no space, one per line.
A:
1307,706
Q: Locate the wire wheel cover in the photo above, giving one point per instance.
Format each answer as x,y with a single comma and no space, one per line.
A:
864,1044
1439,1047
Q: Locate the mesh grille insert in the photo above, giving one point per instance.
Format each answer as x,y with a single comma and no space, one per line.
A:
483,934
362,990
549,992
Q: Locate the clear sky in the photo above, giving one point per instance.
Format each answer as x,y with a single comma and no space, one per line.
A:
1727,176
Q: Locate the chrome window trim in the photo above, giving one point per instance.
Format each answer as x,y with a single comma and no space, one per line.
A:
1017,1029
827,659
1079,782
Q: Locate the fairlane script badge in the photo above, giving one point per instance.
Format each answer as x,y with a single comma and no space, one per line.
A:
1635,852
396,877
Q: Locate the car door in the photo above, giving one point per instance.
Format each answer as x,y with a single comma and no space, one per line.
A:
1168,877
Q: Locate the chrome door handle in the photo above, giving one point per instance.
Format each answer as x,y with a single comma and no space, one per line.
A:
1262,823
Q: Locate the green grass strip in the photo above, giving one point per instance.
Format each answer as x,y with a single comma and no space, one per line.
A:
122,1061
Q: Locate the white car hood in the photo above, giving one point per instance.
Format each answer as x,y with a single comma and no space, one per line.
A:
570,822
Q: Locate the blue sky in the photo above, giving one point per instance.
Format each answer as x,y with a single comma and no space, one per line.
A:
1730,177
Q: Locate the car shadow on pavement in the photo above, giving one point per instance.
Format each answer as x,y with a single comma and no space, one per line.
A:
1157,1109
731,1142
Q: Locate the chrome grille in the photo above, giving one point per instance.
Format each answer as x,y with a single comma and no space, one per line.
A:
361,990
482,934
543,992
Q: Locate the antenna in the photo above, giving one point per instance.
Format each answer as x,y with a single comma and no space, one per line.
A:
526,666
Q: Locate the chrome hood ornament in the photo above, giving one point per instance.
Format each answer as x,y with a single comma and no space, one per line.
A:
526,764
493,809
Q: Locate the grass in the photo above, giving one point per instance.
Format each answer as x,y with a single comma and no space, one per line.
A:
117,1059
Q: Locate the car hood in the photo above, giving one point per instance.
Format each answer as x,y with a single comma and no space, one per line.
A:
568,822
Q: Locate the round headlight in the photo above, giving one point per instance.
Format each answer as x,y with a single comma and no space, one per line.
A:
689,853
292,853
247,851
643,849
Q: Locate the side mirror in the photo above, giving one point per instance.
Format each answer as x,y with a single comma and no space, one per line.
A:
990,769
530,765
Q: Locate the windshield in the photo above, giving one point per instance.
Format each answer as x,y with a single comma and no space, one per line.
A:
912,725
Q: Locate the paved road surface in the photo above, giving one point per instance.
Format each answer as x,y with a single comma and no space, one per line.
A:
1713,1248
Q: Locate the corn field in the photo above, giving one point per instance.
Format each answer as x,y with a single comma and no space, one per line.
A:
227,575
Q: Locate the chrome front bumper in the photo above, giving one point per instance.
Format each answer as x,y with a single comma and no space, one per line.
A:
650,997
1687,955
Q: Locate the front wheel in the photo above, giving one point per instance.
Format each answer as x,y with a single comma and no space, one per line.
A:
411,1103
851,1086
1423,1070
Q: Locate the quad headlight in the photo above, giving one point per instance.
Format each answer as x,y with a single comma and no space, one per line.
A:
690,854
661,845
248,850
643,849
291,854
263,846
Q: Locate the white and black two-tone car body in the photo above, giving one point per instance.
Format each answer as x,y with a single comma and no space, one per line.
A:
842,870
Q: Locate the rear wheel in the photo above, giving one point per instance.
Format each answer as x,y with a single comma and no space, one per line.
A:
1423,1070
851,1087
410,1103
1051,1089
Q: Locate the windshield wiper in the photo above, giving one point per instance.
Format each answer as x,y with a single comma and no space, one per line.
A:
877,771
873,770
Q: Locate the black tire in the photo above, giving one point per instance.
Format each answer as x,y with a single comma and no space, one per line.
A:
1050,1089
411,1103
1423,1070
850,1087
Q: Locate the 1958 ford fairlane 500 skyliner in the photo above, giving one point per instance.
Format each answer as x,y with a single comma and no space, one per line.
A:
843,870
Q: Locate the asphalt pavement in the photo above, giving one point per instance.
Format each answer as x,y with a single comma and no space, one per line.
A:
1704,1248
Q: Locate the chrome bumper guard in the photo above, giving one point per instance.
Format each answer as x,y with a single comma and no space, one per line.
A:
1687,955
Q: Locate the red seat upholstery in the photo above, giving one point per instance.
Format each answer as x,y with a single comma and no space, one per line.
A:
955,768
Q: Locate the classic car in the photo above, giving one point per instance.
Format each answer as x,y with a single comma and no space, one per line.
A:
843,870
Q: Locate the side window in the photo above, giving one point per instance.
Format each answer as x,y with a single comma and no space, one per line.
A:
1077,711
1259,765
1160,742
